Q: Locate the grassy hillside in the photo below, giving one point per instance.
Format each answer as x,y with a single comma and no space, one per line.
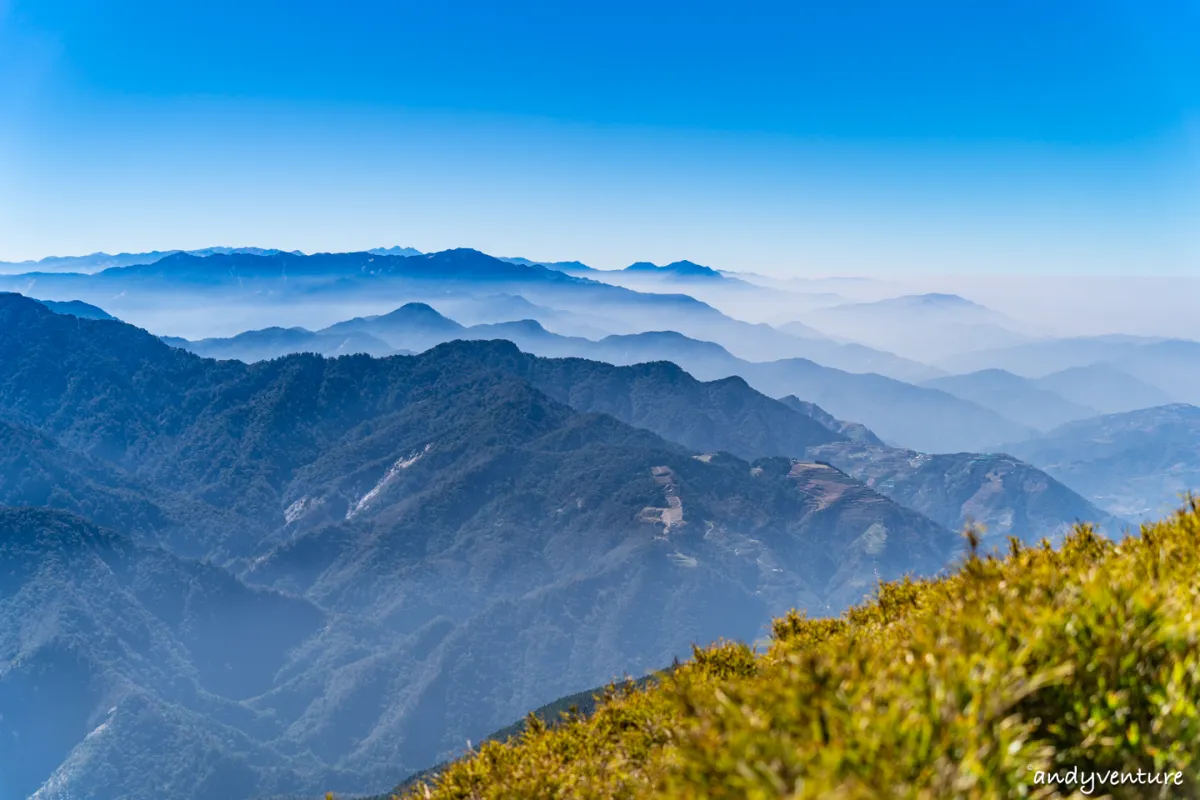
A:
562,711
1043,660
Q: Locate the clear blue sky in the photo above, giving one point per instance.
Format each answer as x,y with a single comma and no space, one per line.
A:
796,137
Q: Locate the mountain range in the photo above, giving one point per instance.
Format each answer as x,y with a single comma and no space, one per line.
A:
922,418
679,271
271,283
1037,402
263,345
95,262
437,545
1008,496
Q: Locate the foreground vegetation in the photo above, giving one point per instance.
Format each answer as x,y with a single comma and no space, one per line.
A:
1040,661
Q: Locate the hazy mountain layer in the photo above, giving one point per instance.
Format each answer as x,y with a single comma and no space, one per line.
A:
95,262
263,345
1172,366
267,285
1135,464
1019,399
923,418
926,327
1103,387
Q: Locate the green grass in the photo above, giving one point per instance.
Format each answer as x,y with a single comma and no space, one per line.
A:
1086,656
558,712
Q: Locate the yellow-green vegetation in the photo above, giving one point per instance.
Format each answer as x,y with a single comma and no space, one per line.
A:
1043,660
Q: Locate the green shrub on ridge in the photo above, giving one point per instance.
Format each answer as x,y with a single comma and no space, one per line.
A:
975,685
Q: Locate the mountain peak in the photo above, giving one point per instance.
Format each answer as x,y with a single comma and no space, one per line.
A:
415,310
941,299
528,326
681,268
493,352
76,308
933,301
412,317
18,300
395,251
990,373
686,267
459,252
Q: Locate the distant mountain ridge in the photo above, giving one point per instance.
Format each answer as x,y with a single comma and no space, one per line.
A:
1014,397
677,269
228,267
1107,388
395,251
569,267
95,262
932,300
269,343
1170,366
926,419
683,269
414,326
226,279
1134,463
76,308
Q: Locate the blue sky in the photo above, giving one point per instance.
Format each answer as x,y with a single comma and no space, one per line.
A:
795,137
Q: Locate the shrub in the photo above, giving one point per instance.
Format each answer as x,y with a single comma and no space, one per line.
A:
1084,657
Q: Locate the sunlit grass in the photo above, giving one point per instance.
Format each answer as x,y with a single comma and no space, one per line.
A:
1043,659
